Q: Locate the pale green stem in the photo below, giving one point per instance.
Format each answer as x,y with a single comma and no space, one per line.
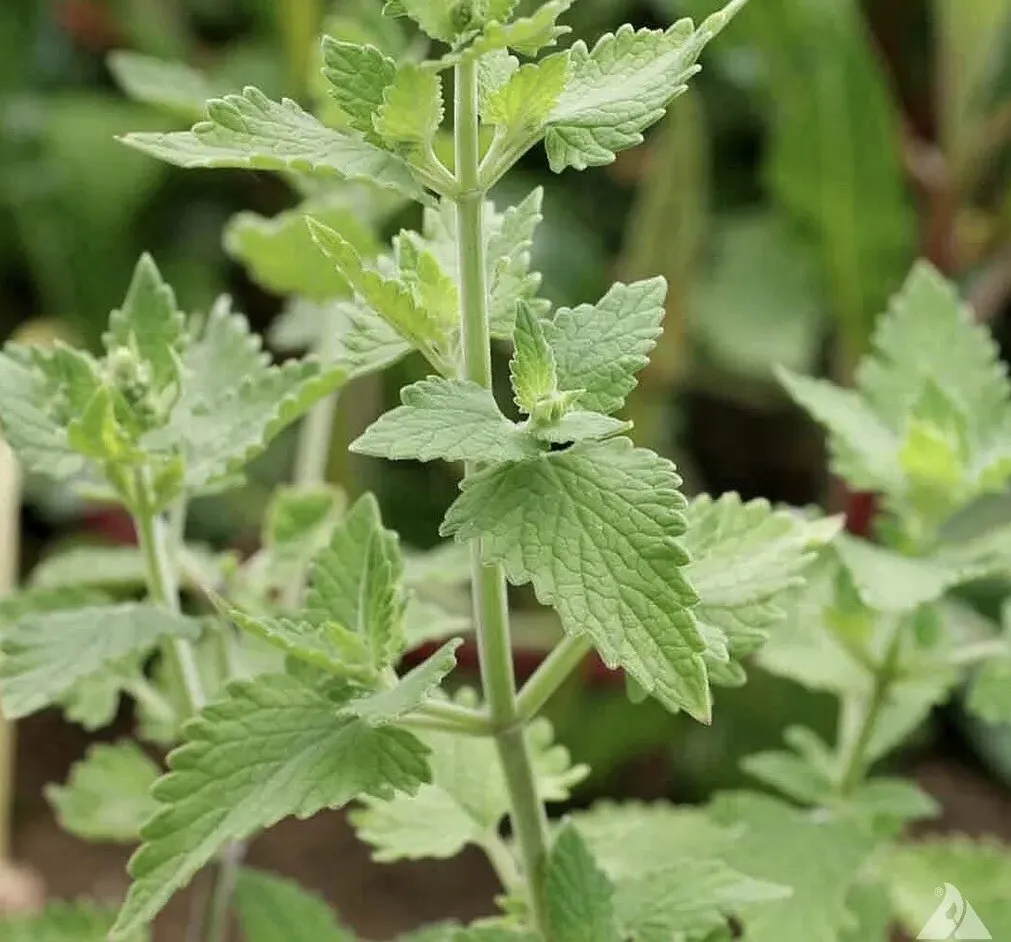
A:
501,859
552,672
491,610
473,721
314,436
854,753
219,907
299,25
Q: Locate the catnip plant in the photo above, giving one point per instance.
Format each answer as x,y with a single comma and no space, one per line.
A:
279,683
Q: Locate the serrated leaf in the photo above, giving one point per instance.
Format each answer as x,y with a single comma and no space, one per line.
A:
599,348
452,420
595,529
412,109
357,76
282,256
965,871
108,794
65,922
580,897
389,297
30,425
815,856
745,556
173,86
466,799
249,131
93,701
519,106
493,71
526,35
300,519
117,568
532,367
37,599
438,18
362,554
46,654
218,425
410,691
619,88
98,434
272,909
307,755
927,423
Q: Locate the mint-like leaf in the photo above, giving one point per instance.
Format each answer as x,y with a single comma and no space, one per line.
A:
65,922
108,794
357,76
272,909
580,897
595,529
411,111
172,86
46,654
249,131
307,757
600,347
448,419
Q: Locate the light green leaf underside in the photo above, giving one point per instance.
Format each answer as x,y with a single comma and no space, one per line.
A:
580,897
110,567
249,131
357,77
452,420
107,796
272,909
45,655
308,757
466,799
219,425
599,348
65,922
595,530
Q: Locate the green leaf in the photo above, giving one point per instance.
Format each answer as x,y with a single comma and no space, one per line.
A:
595,529
34,429
927,424
816,856
40,599
990,693
149,323
452,420
435,291
580,898
173,86
282,256
410,691
621,87
272,909
307,755
965,871
599,348
300,519
98,434
117,568
46,654
532,368
872,914
390,298
357,581
745,556
65,922
519,106
438,18
526,35
466,799
580,426
412,110
357,76
108,794
249,131
219,425
668,869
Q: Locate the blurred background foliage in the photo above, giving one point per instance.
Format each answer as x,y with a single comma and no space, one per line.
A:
826,145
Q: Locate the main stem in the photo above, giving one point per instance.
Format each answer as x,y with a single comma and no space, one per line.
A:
491,609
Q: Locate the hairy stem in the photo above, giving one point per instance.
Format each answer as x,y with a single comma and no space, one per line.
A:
491,609
313,454
552,672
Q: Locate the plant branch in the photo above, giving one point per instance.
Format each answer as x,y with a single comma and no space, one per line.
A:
489,586
219,906
552,672
475,722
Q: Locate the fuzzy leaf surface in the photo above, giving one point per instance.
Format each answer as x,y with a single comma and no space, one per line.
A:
65,922
45,655
595,529
580,896
357,76
108,794
173,86
452,420
412,109
600,347
249,131
307,757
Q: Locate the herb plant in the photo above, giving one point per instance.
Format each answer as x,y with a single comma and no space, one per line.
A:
280,682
